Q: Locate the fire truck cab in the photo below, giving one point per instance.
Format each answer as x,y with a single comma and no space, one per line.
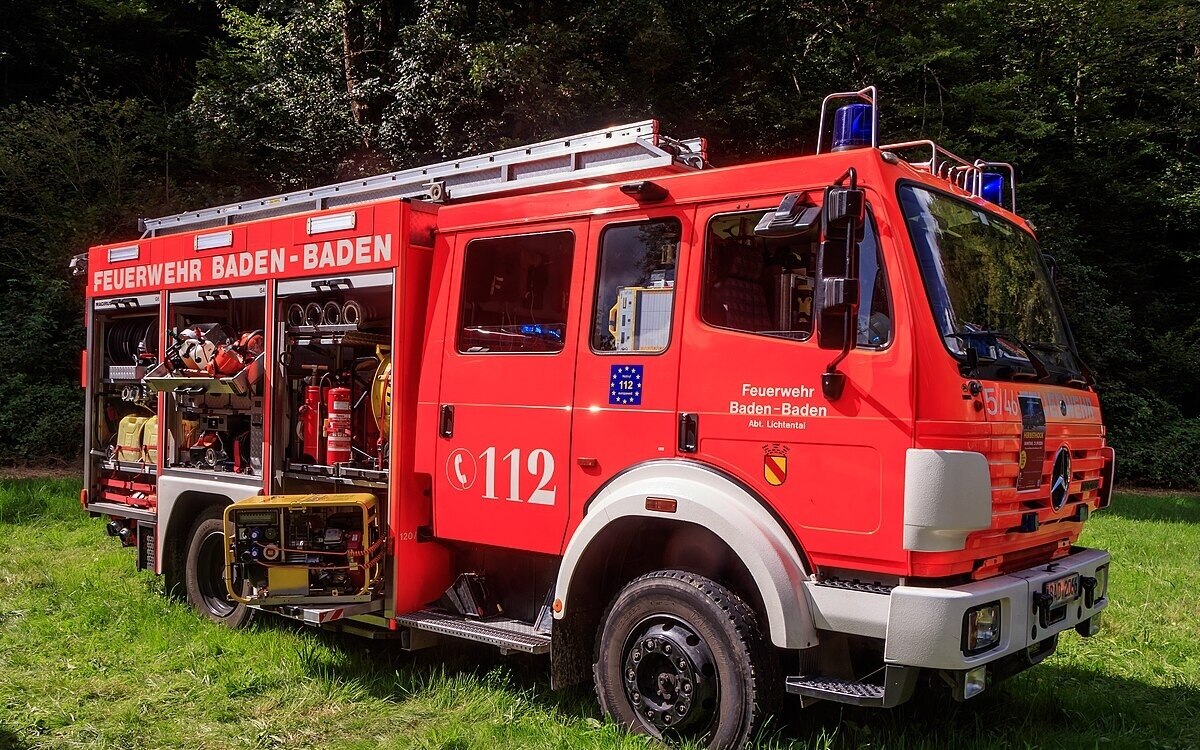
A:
814,424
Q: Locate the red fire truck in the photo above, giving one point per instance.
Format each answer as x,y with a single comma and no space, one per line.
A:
813,425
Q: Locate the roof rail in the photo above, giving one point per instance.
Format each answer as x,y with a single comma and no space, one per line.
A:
635,147
968,176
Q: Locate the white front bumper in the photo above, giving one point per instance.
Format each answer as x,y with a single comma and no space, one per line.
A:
925,625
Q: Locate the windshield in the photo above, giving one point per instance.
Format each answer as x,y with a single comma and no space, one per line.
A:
992,297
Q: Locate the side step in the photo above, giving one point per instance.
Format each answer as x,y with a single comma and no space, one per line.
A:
505,633
840,691
899,682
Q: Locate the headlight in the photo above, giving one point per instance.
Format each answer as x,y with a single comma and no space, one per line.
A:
981,629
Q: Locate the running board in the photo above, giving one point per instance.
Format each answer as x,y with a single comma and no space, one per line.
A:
325,614
899,683
505,633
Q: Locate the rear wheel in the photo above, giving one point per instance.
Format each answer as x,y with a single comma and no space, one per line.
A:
204,572
681,657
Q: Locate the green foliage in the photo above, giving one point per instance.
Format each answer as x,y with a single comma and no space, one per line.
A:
111,109
270,103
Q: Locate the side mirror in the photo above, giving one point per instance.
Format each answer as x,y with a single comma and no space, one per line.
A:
1052,267
795,216
836,292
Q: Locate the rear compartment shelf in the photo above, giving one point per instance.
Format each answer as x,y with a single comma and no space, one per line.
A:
326,614
123,511
335,335
346,475
129,467
162,380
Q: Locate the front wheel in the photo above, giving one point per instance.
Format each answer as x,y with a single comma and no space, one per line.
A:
204,572
681,657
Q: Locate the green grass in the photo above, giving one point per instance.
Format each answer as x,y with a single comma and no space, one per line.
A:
92,655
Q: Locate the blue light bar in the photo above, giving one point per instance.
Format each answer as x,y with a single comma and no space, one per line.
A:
992,188
537,329
852,126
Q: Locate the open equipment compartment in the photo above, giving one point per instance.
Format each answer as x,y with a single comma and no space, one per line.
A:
211,369
122,430
335,360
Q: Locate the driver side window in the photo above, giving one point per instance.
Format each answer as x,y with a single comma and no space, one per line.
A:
764,285
874,303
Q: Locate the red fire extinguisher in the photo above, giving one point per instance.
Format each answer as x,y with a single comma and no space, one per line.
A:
337,425
308,426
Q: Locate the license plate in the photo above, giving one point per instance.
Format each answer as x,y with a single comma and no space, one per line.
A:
1062,590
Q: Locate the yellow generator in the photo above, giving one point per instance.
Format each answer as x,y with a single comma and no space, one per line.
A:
304,549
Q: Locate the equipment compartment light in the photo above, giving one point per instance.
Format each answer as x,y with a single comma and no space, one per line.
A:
214,240
118,254
852,126
334,223
981,629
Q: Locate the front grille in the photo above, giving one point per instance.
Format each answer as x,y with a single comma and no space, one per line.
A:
1003,451
1000,443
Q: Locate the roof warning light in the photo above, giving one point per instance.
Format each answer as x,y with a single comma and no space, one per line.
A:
992,187
852,126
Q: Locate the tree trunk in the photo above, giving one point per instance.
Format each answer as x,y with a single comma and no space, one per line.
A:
368,36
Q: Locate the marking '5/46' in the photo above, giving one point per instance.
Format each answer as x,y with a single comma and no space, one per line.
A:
461,473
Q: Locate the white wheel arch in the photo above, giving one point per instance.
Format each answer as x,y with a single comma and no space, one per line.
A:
715,502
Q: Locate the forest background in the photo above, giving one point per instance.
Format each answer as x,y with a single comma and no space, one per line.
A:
112,110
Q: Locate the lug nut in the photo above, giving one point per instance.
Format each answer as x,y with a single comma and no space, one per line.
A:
682,708
630,674
637,697
637,655
666,717
650,644
686,688
682,664
666,648
649,714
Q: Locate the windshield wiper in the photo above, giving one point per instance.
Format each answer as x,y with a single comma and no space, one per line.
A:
1040,371
1039,364
1081,376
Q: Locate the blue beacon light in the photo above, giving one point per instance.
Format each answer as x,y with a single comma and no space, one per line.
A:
992,188
852,127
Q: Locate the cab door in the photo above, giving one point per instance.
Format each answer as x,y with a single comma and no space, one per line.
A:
502,475
751,380
629,347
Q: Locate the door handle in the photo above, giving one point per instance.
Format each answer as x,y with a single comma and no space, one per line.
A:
689,432
446,424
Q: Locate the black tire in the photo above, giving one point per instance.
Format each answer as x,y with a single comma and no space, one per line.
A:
204,568
680,656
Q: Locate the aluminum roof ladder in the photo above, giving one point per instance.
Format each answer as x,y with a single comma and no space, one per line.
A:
600,154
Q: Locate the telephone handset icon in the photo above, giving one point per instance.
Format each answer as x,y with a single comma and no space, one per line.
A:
460,469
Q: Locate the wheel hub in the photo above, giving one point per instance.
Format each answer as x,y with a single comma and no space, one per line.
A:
670,676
